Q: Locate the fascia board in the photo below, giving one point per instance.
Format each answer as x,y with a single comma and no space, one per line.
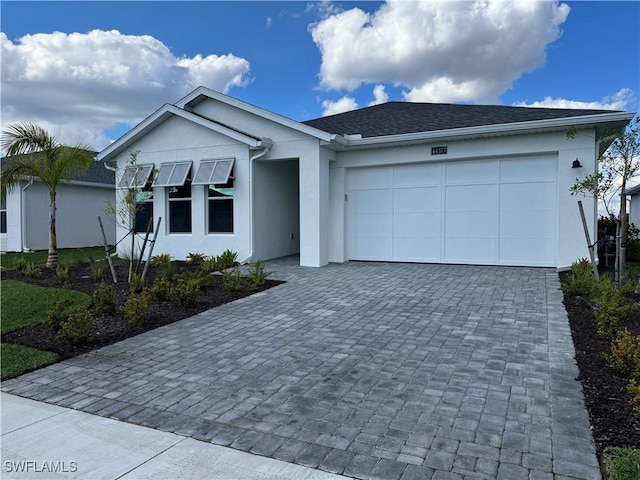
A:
260,112
536,126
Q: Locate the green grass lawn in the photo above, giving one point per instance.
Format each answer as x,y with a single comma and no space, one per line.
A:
23,304
66,256
17,359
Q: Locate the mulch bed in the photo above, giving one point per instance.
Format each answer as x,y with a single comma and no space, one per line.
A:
106,330
605,390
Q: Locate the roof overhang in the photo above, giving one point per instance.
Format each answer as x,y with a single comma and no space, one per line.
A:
163,114
607,125
202,93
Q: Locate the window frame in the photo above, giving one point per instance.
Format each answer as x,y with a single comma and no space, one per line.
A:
226,198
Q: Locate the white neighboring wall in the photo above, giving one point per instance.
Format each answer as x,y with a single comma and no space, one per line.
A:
78,207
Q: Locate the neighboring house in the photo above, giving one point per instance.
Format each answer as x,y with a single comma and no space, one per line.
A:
406,182
24,214
633,193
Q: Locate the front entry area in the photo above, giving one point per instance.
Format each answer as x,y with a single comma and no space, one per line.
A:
489,212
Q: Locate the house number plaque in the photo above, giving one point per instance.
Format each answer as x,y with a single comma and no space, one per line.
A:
438,150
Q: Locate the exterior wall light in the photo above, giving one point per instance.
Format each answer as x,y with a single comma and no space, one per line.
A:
576,164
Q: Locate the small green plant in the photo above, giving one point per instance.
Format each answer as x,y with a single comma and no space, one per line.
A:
62,273
76,327
20,264
31,270
227,259
201,277
211,264
621,463
57,314
161,260
634,389
160,289
137,284
609,307
257,275
625,354
103,300
97,272
185,293
196,258
136,308
232,280
581,280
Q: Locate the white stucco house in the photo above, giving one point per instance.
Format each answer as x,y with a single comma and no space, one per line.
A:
24,214
400,182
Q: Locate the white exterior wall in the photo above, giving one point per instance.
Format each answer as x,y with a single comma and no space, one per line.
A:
78,207
276,209
570,238
634,210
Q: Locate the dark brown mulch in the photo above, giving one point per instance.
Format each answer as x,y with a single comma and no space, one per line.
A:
109,329
605,390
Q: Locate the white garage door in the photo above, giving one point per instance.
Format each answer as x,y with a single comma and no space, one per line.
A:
496,212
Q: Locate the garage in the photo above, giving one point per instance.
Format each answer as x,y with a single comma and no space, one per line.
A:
488,212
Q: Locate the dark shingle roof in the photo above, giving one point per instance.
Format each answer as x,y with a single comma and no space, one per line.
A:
395,118
97,173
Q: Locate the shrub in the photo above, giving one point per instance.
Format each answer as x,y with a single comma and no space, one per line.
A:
31,270
609,307
580,281
227,259
185,293
625,354
232,280
196,258
257,275
57,314
211,264
199,277
621,463
137,284
161,260
634,389
160,289
103,300
62,273
20,264
136,308
76,327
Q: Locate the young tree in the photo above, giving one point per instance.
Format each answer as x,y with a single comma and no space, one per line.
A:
33,153
618,164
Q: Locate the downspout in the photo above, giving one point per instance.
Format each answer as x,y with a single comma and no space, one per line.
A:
23,217
266,144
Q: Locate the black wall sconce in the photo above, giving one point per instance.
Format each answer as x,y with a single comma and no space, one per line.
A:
576,164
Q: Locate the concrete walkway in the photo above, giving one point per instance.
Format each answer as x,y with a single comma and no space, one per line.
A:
369,370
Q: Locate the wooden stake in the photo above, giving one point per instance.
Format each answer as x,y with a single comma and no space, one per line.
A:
591,250
106,252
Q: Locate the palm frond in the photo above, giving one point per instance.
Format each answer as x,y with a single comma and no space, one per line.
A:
25,137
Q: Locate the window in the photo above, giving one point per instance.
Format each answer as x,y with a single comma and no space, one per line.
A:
3,215
216,174
221,207
144,208
180,208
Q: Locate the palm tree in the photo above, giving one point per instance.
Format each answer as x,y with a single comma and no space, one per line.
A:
33,153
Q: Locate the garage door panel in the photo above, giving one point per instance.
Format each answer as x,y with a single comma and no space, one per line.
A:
416,249
472,198
472,173
527,170
370,178
471,224
539,251
533,224
416,199
471,250
370,201
417,176
418,224
528,196
370,248
373,224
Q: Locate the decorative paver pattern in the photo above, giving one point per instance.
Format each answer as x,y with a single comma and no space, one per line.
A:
371,370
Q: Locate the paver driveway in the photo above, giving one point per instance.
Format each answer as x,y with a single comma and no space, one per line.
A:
364,369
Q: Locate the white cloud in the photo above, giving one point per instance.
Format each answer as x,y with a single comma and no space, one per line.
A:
345,104
77,85
442,51
379,95
618,101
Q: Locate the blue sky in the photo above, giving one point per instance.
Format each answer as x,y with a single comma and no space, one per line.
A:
111,64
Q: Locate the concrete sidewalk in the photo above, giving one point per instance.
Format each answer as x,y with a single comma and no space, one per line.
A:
46,441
